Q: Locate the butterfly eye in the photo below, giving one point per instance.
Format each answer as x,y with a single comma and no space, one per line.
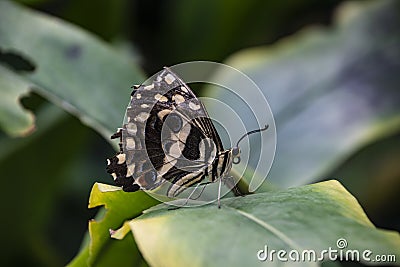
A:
235,152
174,122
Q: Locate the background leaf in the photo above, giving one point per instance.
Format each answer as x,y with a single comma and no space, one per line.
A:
13,119
335,88
74,69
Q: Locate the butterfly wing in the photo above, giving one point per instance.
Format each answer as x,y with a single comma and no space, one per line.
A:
168,136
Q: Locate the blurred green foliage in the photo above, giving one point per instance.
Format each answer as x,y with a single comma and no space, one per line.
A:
47,173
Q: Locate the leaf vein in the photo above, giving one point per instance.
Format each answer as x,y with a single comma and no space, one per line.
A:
272,229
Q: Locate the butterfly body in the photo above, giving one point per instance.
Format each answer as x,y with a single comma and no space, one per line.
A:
168,137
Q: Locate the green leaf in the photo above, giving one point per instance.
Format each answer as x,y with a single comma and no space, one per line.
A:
119,206
14,119
308,217
72,68
332,90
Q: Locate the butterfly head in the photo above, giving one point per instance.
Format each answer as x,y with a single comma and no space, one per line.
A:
236,155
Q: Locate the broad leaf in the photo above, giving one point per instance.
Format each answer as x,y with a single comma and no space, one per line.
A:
311,217
72,68
332,90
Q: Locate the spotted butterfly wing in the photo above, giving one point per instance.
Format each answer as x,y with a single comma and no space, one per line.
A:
167,137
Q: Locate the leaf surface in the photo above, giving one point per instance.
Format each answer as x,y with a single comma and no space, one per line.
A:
311,217
72,68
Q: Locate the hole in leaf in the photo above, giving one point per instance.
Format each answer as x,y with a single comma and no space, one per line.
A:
16,61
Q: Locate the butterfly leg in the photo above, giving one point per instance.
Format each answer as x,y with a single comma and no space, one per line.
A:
186,200
219,193
202,190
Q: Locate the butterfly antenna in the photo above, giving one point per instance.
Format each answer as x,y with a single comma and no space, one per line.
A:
252,132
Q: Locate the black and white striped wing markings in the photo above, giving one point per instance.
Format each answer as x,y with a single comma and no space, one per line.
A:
168,137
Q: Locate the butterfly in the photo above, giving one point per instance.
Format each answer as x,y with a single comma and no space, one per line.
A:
168,137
